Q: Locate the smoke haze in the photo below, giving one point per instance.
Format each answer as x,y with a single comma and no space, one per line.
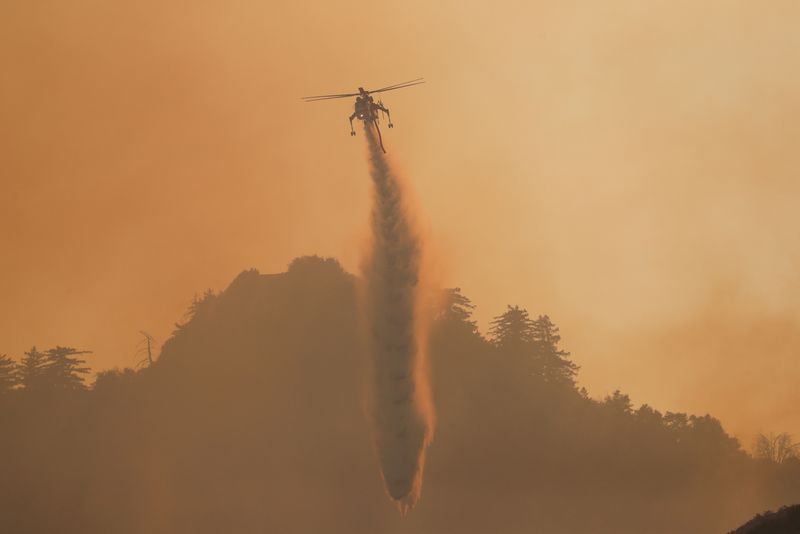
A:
399,404
629,168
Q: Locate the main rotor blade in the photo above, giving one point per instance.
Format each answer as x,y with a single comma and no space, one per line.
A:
396,85
328,97
402,85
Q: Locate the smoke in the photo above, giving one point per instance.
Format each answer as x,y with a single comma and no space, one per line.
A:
400,403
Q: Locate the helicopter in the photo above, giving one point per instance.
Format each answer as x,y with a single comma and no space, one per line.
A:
366,109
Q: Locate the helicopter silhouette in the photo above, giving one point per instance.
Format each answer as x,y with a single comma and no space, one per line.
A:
366,109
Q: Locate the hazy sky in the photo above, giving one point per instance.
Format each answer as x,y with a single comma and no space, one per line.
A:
628,167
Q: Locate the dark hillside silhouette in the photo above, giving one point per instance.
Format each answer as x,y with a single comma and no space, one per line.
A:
784,521
252,420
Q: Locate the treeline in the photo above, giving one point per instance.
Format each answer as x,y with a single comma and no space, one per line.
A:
59,368
532,346
650,471
252,419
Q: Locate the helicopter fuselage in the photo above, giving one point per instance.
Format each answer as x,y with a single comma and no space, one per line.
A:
365,109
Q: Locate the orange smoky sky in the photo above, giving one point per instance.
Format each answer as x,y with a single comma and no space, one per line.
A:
629,168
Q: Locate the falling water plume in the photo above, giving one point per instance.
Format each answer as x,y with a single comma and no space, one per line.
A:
400,405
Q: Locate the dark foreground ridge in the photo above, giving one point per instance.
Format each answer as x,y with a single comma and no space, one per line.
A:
252,420
784,521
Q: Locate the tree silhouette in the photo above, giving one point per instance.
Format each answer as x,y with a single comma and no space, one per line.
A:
517,336
8,374
676,421
776,448
707,432
63,369
145,348
552,363
457,309
648,414
31,370
513,330
512,335
619,402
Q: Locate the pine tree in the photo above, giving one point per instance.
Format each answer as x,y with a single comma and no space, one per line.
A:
620,402
31,370
512,335
8,374
552,363
457,309
534,342
63,369
513,331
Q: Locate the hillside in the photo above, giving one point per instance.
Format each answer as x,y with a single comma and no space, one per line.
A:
784,521
252,420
